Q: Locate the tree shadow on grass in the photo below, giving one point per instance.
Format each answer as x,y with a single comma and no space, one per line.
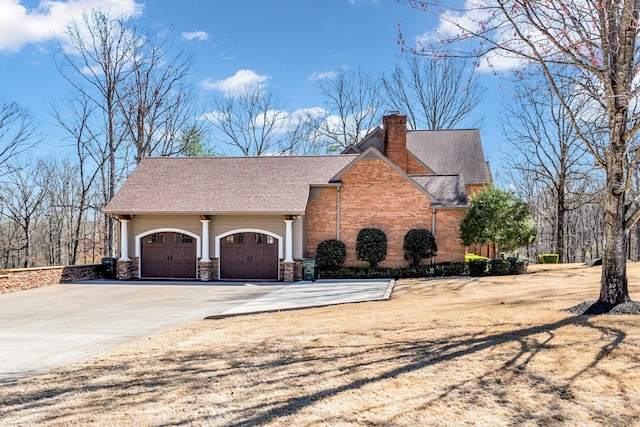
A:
272,369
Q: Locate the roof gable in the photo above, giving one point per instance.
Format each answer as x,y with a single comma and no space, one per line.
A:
373,153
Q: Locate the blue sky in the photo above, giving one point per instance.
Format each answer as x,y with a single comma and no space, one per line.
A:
284,43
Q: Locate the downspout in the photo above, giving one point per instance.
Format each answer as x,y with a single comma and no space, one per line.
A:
338,212
433,226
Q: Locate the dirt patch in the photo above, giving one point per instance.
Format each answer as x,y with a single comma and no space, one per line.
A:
448,351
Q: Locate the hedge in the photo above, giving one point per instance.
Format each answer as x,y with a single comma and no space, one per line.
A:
433,270
548,259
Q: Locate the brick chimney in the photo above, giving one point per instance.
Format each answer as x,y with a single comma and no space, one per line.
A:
395,139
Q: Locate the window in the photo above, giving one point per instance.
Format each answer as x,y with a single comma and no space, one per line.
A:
183,238
234,239
155,238
263,239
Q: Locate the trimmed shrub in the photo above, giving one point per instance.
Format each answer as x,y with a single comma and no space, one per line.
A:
470,257
548,259
517,266
331,254
499,267
433,270
477,267
418,244
371,246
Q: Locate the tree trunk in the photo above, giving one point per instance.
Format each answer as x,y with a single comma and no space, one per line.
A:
561,215
613,284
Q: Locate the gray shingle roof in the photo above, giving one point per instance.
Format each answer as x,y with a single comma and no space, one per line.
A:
448,190
456,151
224,185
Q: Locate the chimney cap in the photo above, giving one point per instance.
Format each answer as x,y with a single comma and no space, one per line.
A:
394,112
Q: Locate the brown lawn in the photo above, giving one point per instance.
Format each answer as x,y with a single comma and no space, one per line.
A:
452,351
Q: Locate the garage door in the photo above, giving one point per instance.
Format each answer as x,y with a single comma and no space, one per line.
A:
249,256
168,255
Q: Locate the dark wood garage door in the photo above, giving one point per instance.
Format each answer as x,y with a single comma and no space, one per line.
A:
168,255
249,256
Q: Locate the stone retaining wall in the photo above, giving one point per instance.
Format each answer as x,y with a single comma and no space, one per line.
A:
19,279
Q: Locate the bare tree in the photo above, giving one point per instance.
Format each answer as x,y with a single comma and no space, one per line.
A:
96,61
135,90
21,197
253,121
434,92
592,47
156,103
18,132
354,104
545,148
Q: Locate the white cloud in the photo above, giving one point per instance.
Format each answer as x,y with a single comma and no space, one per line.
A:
196,35
20,26
235,83
322,75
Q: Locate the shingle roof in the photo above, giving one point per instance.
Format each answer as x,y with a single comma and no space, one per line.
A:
219,185
448,190
456,151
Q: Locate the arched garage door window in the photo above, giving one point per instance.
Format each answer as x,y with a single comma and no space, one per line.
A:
166,254
249,255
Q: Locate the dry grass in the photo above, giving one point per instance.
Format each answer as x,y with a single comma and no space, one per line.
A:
452,351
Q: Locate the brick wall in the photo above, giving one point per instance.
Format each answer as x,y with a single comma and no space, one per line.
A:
450,247
373,194
19,279
415,168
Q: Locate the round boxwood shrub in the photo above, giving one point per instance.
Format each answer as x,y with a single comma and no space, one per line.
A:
477,267
331,254
418,244
371,246
499,267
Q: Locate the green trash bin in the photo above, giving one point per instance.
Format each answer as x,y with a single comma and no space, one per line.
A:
309,270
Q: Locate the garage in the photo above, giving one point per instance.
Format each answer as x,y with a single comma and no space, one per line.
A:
168,255
249,256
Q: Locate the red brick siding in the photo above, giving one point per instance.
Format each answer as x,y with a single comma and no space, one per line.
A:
414,167
321,217
450,247
373,194
472,189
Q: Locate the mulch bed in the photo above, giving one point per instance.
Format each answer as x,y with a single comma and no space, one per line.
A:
594,307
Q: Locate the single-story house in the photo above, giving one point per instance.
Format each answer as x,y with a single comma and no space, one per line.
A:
216,218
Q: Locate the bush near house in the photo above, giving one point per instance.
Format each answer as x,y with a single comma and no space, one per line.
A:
371,246
419,244
477,267
471,257
548,259
331,254
434,270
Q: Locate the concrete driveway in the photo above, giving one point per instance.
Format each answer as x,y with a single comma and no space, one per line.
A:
48,327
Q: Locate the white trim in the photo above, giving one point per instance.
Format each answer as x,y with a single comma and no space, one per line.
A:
165,230
248,230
